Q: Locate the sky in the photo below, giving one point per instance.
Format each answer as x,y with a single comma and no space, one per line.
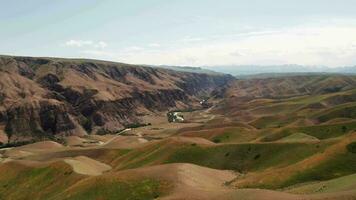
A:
183,32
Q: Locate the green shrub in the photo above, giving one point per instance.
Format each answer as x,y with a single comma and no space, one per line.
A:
16,144
86,124
8,129
137,125
351,147
2,97
102,131
344,129
217,140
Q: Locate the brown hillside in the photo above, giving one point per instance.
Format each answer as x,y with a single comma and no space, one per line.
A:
47,97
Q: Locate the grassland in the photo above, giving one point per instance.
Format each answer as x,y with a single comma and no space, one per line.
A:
22,182
115,190
267,139
244,157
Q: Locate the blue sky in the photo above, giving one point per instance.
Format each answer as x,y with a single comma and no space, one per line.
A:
183,32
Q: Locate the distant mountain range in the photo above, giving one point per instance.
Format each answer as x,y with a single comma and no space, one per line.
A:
188,69
268,69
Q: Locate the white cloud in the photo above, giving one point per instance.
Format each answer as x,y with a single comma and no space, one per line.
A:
78,43
133,49
113,55
87,43
192,39
101,44
332,45
154,45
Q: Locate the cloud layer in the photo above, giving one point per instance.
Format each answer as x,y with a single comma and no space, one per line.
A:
87,43
331,44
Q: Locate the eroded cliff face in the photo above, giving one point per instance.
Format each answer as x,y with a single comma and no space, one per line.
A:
49,97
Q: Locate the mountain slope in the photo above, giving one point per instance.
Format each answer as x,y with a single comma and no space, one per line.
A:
48,97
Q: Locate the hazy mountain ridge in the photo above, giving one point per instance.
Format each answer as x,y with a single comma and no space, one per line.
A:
187,69
242,70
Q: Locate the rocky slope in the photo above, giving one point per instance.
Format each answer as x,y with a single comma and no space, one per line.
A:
50,97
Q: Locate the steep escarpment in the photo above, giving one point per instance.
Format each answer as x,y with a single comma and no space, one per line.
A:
50,97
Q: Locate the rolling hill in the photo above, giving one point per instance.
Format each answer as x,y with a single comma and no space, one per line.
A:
282,137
